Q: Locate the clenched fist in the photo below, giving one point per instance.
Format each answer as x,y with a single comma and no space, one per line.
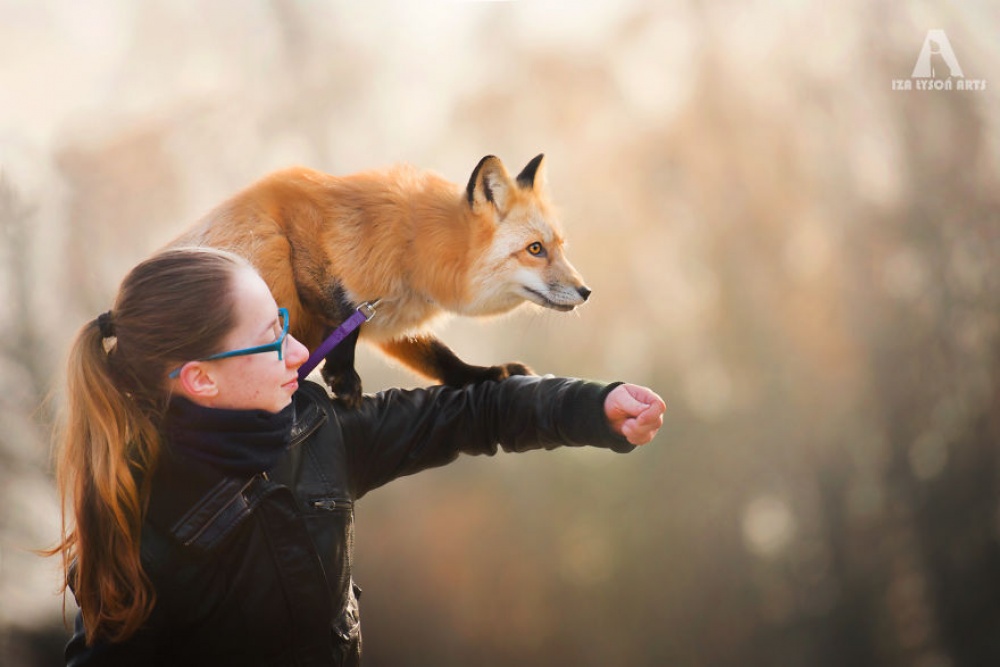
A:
634,412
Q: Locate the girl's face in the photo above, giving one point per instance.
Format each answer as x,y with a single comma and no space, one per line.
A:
254,381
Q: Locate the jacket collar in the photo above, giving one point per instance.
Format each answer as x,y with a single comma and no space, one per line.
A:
198,506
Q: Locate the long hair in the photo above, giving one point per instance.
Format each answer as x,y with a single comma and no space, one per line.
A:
171,308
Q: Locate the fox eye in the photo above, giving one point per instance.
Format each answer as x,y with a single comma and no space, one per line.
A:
536,249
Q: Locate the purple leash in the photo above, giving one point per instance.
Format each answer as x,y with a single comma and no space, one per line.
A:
365,312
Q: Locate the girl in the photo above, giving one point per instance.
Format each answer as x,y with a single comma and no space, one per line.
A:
212,496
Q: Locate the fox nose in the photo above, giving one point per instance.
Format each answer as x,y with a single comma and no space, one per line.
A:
583,291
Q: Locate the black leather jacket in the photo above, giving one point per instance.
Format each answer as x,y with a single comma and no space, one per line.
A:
258,571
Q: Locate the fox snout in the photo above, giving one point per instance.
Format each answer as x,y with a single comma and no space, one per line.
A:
582,293
560,296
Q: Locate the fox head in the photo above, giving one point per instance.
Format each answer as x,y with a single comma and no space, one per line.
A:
524,259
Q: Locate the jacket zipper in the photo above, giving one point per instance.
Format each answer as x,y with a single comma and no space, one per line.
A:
330,504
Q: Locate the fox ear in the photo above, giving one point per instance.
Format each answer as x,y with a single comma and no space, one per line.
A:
532,173
489,184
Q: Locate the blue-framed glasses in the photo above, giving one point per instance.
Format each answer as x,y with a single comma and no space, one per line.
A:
277,346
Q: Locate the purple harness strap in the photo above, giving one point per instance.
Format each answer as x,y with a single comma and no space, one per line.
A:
365,312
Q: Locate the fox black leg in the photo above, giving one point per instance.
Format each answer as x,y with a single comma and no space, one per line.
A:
338,367
339,373
430,357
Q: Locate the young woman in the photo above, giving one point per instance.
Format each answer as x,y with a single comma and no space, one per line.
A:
212,496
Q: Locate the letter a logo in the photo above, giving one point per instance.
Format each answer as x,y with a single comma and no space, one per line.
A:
936,44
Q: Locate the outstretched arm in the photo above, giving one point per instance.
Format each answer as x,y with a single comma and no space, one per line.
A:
634,412
400,432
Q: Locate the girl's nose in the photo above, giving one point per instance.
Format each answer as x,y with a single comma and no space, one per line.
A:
296,353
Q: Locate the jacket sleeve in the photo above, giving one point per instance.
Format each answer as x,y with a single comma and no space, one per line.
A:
400,432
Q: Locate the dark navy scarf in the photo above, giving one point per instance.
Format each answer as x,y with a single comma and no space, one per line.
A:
235,442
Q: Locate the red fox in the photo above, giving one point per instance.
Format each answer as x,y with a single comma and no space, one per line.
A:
418,243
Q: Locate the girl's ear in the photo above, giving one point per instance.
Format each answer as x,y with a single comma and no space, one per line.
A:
195,381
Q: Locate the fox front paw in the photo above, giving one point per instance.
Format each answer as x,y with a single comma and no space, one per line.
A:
466,375
514,368
346,385
503,371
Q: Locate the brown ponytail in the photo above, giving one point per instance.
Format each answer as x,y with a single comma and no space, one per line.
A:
173,307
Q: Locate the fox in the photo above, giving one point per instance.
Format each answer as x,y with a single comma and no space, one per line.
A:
420,245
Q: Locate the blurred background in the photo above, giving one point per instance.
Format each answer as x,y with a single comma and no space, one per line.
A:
802,260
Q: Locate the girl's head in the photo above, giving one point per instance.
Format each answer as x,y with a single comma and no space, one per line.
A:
172,311
178,308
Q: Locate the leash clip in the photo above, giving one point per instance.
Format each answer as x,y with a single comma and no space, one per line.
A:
368,309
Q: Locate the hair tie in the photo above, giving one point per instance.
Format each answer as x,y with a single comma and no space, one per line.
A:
105,324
